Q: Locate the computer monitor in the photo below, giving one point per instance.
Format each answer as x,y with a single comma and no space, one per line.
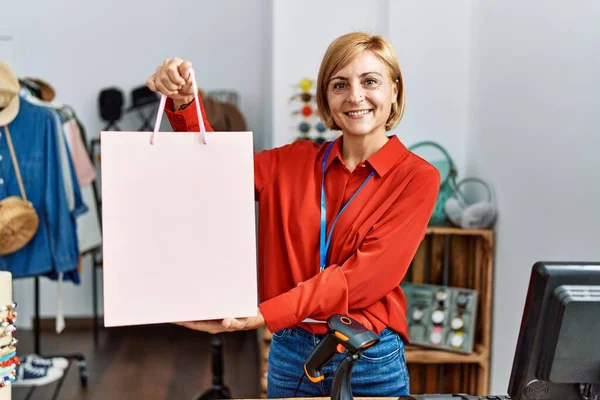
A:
558,350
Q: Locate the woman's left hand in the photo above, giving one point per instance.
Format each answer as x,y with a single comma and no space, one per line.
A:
226,325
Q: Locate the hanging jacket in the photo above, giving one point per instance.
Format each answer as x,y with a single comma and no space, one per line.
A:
54,247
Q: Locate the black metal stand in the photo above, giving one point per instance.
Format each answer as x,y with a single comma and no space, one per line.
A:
141,110
146,120
218,390
77,357
341,388
93,151
113,125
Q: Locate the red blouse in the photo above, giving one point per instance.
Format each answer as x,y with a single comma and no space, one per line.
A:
372,245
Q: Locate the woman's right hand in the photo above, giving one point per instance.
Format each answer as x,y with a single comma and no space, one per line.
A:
173,79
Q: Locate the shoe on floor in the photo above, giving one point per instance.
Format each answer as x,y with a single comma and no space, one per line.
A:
28,375
37,361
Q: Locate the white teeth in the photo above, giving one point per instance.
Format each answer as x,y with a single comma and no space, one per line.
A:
356,113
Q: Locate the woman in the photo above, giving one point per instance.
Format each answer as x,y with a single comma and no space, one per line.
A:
377,198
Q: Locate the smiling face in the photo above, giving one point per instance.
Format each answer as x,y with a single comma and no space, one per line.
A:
360,95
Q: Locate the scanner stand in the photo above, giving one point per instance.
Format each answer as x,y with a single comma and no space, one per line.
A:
341,388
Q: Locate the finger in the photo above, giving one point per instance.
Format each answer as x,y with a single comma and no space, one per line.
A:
167,81
186,89
227,322
163,89
172,70
203,326
150,82
184,70
162,74
157,83
235,323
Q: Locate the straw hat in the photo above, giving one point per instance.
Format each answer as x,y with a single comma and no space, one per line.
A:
9,95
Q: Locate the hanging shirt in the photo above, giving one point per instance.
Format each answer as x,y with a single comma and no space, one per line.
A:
86,172
89,233
54,247
371,247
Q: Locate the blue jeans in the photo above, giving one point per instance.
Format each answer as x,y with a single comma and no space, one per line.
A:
381,371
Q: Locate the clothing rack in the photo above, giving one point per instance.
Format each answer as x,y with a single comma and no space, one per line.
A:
77,358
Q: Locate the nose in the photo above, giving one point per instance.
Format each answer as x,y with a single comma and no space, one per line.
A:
356,94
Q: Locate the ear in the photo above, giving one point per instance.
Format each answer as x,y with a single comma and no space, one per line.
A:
395,90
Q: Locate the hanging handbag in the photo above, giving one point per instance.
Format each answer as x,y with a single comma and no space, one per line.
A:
448,173
18,219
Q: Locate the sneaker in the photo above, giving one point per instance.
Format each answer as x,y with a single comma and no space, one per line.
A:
28,375
37,361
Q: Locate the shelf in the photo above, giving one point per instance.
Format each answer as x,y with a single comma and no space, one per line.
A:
451,230
419,355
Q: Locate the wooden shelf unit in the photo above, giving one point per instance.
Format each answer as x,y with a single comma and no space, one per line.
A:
470,266
418,355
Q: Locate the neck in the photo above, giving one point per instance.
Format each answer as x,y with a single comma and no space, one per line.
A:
356,149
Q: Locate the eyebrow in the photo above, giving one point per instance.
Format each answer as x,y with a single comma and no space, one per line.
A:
343,78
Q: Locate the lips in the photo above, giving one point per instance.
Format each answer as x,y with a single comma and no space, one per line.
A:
358,113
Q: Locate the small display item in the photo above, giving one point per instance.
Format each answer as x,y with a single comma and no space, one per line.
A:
441,317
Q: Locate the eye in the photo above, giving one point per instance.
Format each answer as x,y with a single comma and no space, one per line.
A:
339,85
371,81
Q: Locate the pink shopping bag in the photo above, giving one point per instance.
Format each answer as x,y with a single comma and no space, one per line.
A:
178,225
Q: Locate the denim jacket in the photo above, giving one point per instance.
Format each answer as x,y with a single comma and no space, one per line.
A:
54,247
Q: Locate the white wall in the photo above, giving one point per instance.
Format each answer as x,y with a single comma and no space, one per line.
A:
302,30
83,47
534,134
432,40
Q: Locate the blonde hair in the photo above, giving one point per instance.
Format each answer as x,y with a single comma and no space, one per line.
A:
340,53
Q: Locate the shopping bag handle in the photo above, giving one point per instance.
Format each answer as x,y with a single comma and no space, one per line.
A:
163,102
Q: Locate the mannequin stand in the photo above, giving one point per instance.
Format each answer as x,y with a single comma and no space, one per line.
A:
218,389
78,358
6,298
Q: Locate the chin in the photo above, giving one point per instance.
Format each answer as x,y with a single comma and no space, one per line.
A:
357,133
359,130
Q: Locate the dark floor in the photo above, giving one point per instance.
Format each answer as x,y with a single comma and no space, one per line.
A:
150,362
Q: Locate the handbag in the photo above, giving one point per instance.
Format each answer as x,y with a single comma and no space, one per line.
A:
18,219
448,174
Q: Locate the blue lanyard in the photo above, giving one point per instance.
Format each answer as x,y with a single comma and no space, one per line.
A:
324,244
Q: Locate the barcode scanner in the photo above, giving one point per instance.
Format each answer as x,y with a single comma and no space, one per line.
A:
344,334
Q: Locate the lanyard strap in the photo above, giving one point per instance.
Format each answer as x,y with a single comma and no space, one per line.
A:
324,243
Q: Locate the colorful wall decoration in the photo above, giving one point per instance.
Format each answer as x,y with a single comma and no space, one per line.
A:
308,124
